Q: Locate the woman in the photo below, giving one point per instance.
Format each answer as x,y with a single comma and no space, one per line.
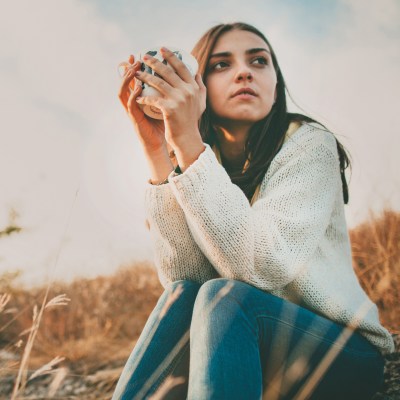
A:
251,243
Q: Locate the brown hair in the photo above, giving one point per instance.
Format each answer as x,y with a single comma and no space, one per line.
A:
266,137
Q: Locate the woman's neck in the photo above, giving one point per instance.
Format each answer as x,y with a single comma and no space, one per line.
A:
231,145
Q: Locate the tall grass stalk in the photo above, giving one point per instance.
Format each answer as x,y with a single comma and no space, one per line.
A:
21,379
4,299
104,306
318,373
184,340
170,300
166,387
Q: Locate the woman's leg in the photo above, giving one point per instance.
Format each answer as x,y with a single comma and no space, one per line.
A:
248,344
163,346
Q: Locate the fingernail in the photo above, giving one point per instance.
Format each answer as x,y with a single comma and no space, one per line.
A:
164,49
146,57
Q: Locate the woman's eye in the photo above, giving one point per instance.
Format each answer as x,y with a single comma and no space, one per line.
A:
220,65
260,60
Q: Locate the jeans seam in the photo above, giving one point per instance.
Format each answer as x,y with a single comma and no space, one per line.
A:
244,313
171,367
344,349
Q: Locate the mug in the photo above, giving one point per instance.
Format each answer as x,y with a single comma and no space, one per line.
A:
186,58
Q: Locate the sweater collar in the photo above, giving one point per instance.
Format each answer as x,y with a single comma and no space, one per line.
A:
293,126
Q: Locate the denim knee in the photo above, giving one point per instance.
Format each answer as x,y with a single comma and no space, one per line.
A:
184,284
212,288
213,299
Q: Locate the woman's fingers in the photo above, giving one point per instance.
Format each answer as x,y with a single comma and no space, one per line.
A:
200,82
171,99
157,83
174,71
124,91
177,65
154,101
203,91
166,73
133,108
175,92
125,66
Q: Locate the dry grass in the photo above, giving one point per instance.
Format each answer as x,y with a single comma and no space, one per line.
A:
96,331
376,260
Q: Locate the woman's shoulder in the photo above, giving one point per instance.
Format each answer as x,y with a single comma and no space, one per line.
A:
305,143
308,136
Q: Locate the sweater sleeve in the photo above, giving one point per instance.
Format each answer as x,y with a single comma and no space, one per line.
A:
177,255
267,244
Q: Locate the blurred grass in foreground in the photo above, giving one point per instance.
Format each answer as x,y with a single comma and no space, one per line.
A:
376,261
96,331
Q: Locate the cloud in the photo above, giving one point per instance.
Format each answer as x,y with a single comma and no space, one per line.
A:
62,127
59,82
348,80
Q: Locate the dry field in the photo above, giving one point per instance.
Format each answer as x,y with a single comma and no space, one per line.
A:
72,341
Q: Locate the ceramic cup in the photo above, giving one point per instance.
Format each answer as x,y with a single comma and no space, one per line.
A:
186,58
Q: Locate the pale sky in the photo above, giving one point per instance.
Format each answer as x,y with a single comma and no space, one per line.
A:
70,161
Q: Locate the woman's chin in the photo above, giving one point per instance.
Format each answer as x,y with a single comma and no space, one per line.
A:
245,117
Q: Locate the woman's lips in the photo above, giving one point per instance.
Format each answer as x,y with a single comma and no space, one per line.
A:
244,96
244,91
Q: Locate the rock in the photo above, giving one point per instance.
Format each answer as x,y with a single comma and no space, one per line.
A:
391,385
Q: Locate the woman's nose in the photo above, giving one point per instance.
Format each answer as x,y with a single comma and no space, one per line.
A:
243,75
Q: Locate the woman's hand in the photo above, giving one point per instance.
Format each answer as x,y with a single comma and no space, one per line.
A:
182,97
150,131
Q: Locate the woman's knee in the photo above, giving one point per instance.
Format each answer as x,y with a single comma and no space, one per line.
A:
217,290
182,285
217,296
180,293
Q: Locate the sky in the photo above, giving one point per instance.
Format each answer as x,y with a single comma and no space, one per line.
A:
71,166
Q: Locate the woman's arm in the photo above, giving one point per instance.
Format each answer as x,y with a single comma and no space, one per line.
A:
269,244
177,255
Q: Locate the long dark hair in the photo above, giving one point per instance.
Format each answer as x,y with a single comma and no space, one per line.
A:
266,137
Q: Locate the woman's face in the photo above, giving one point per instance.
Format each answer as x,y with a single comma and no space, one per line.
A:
241,80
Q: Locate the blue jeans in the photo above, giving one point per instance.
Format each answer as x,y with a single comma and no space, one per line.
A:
228,340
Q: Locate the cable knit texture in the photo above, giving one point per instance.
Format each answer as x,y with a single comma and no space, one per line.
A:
292,241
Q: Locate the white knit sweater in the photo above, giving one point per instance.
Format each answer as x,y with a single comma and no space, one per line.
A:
292,241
